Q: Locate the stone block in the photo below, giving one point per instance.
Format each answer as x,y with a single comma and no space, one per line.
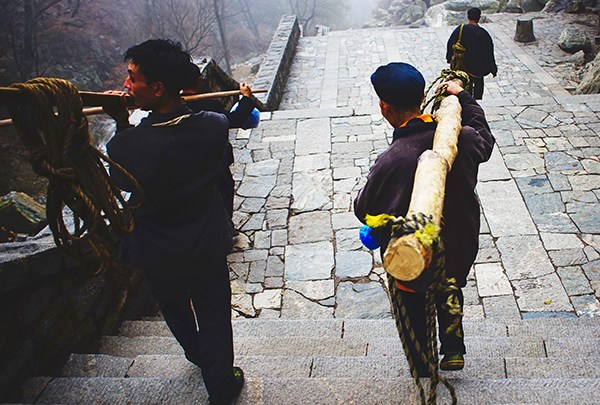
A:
20,213
553,367
501,308
310,227
491,280
96,365
144,328
504,209
299,346
573,347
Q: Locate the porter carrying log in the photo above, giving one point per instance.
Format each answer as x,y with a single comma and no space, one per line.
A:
407,257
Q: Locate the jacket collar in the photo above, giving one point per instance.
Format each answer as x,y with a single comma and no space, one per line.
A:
414,124
154,118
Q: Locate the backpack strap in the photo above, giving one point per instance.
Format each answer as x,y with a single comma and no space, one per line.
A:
460,32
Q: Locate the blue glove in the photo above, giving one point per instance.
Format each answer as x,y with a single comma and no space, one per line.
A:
368,238
253,118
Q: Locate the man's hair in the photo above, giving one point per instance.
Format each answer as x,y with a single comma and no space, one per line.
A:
474,14
399,84
163,60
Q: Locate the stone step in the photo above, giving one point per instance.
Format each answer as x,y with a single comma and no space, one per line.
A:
190,390
365,328
96,365
295,346
176,366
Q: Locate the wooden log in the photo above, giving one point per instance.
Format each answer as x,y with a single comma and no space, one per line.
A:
9,94
406,257
449,124
524,31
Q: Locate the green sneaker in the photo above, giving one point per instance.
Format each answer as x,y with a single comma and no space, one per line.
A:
452,361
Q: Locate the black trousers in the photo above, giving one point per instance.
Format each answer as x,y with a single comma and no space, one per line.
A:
476,87
205,332
415,307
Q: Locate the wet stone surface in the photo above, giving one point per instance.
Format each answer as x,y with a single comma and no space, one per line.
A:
297,174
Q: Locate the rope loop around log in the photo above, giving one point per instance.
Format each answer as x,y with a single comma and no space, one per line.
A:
438,95
432,282
54,130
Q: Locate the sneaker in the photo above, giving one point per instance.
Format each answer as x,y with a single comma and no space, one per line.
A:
452,361
230,397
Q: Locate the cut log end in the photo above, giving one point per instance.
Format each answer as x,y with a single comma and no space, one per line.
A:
406,258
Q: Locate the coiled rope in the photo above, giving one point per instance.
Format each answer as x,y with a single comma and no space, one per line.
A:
59,146
439,94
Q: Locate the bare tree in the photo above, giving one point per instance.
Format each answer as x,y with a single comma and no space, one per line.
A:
222,35
305,10
20,42
75,9
189,21
250,22
309,12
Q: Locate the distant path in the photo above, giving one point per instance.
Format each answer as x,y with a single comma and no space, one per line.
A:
298,173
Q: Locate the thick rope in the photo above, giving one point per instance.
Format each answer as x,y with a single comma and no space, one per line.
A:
59,147
439,94
428,355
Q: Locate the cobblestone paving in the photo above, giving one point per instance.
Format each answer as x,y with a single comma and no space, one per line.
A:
298,253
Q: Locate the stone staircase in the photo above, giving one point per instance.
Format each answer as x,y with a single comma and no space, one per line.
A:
337,361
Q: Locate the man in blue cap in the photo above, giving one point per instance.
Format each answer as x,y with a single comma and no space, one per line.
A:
388,189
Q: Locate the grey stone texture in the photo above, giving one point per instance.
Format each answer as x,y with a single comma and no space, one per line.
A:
531,301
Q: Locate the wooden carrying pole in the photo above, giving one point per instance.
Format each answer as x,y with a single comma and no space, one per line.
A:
13,95
406,258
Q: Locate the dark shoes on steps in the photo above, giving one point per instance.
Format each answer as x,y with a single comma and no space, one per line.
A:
229,397
452,362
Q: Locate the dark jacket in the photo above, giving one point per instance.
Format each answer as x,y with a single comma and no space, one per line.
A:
183,220
390,182
479,57
236,119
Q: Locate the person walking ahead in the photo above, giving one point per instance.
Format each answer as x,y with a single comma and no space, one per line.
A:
182,230
478,58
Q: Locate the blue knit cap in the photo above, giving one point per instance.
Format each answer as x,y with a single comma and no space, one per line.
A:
399,84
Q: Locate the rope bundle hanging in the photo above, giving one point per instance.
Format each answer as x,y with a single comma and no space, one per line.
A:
432,282
59,146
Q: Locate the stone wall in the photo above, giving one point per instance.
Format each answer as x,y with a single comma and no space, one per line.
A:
51,306
216,80
275,68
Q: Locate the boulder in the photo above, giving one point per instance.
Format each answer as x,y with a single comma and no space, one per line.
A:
590,84
412,14
576,7
574,39
531,5
20,213
554,6
577,59
438,16
486,6
513,6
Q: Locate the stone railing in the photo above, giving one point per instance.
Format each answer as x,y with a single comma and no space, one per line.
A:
51,306
275,67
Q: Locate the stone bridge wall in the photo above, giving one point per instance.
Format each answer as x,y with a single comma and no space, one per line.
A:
275,67
51,305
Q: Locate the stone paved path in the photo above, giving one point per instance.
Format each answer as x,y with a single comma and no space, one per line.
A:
299,255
